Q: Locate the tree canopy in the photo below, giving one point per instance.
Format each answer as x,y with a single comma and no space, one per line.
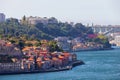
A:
12,27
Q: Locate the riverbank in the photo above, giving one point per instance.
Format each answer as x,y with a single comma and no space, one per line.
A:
68,67
92,49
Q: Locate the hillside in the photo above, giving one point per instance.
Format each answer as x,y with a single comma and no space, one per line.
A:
13,27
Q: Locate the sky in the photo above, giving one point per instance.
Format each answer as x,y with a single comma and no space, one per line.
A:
100,12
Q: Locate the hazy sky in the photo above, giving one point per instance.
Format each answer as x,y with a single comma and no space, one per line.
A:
85,11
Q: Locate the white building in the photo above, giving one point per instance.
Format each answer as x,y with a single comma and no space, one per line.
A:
35,20
117,40
2,17
63,39
10,67
63,42
44,20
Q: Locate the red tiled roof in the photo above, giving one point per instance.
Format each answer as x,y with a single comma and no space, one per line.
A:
30,59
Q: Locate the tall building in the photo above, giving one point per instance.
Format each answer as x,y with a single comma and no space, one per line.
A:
2,17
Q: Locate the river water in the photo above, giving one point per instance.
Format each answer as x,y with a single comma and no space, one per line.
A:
99,65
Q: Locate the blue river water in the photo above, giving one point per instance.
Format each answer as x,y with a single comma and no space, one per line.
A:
99,65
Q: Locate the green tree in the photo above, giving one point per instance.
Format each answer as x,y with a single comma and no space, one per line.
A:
24,21
54,47
21,44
